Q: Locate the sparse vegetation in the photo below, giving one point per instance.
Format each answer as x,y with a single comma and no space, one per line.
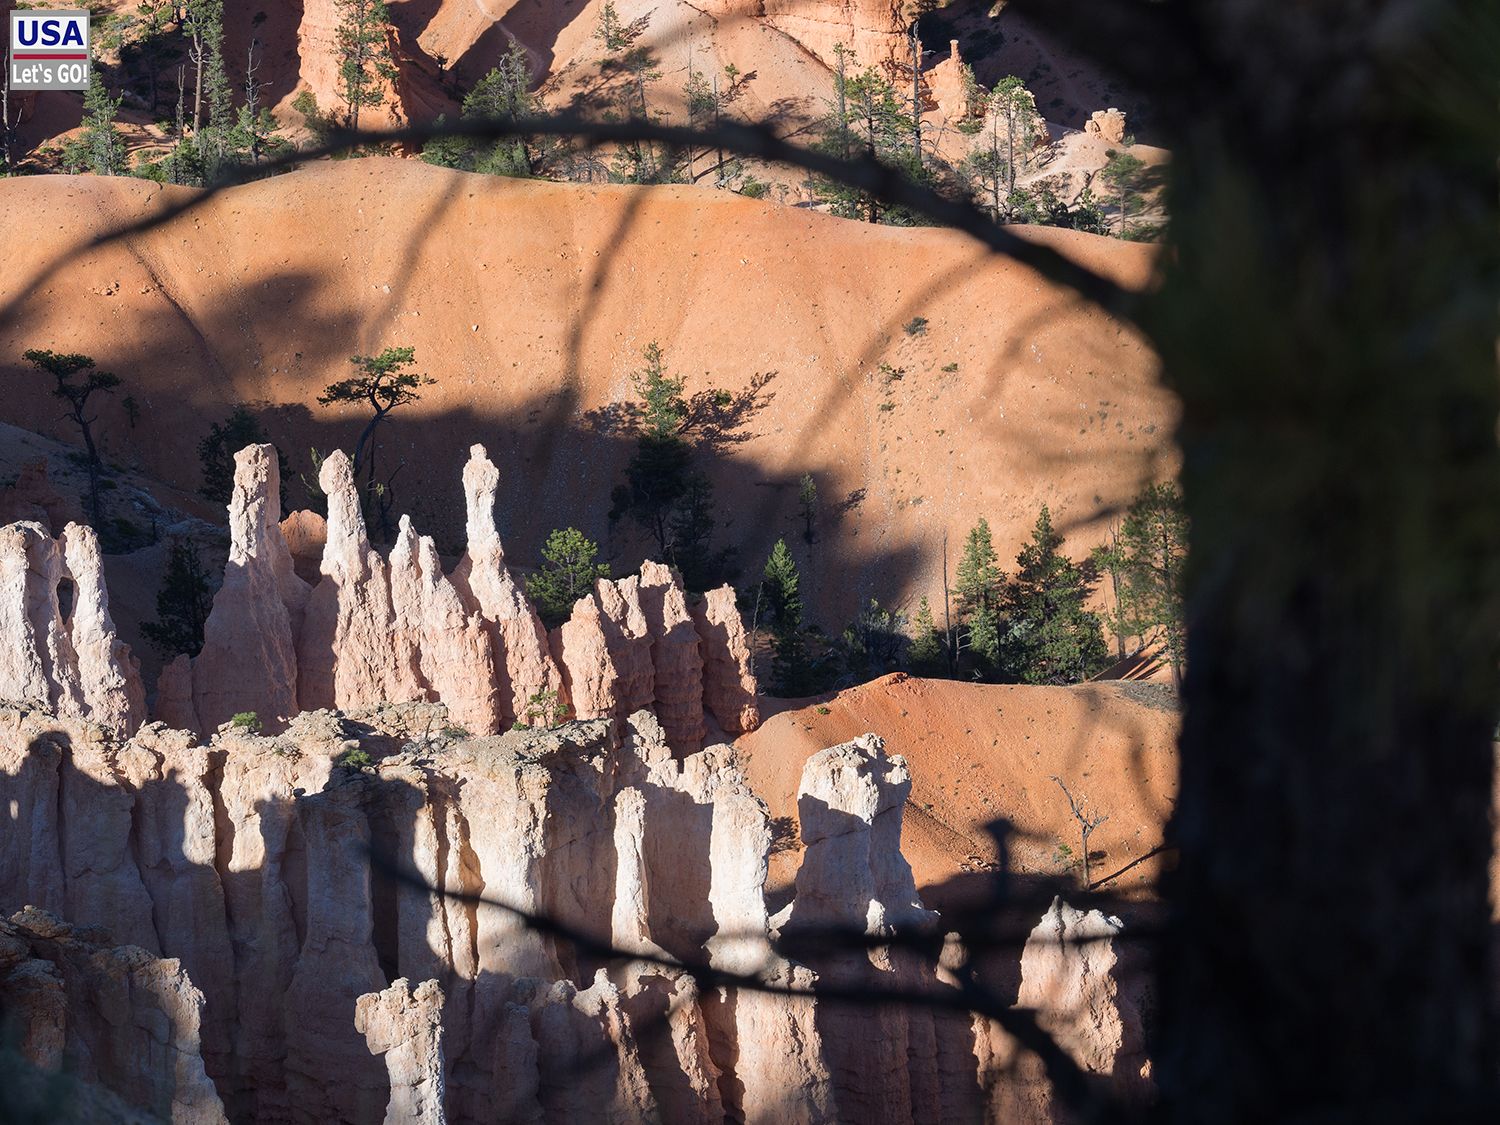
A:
75,380
247,721
568,572
383,384
355,758
545,710
182,604
216,452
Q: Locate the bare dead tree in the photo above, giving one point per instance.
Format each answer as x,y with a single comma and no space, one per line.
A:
1086,826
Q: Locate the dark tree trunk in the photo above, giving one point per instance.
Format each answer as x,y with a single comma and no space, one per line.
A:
1329,918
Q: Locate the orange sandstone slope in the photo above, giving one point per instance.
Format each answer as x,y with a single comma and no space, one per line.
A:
530,304
978,752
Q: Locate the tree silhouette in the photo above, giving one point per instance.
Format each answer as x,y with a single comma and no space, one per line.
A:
75,381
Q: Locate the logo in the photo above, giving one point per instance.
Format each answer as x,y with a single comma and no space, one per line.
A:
49,51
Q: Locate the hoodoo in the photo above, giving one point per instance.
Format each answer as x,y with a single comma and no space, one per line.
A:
396,628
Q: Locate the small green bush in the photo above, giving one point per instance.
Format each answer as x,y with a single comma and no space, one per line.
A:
916,326
356,759
247,721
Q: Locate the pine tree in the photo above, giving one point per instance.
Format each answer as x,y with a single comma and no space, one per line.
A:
383,384
866,116
362,42
656,477
1123,175
664,493
807,508
1153,550
568,572
255,133
1049,636
874,642
979,577
781,602
182,604
100,148
692,530
1004,152
501,96
216,452
983,641
924,655
65,369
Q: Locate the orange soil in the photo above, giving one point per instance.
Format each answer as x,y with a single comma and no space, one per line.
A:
979,752
530,303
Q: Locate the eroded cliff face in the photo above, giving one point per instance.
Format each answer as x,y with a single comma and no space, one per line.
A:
334,941
337,920
65,659
376,629
873,31
109,1016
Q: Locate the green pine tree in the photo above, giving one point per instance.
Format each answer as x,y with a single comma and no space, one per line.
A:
1123,174
382,385
568,572
924,656
781,604
216,452
1049,635
182,604
362,43
100,147
979,578
75,380
1153,551
664,493
866,117
501,96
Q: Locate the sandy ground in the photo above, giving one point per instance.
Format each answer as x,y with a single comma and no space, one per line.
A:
980,754
530,303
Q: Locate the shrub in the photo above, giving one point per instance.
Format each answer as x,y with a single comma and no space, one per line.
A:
355,759
247,721
182,604
916,326
545,709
